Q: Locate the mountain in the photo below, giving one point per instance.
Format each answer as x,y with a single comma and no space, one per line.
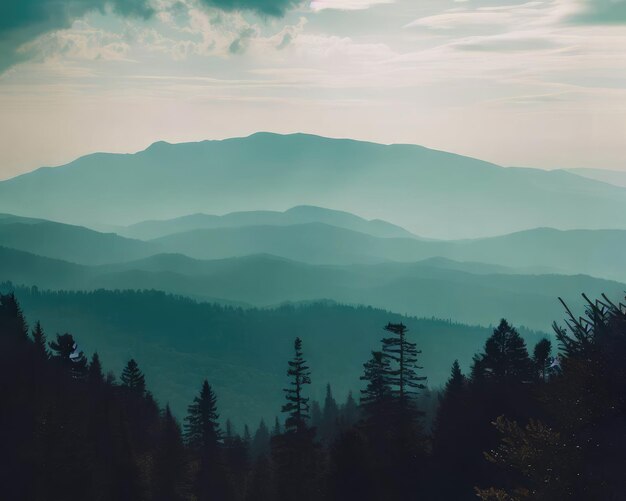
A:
466,292
594,252
243,353
68,242
614,177
431,193
148,230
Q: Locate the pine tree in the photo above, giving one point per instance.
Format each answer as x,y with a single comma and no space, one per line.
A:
170,465
541,357
505,359
376,396
276,430
94,373
294,452
133,379
403,380
203,434
202,430
349,412
330,417
40,343
260,445
12,319
297,405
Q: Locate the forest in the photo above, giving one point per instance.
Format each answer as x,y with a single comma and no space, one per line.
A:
535,422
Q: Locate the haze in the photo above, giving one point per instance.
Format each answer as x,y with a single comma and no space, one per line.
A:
538,83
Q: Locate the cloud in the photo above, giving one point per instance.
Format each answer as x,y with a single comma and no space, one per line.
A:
275,8
601,12
239,45
24,20
346,4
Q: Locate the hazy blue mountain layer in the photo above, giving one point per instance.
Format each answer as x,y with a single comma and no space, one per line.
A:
466,292
431,193
595,252
243,353
542,250
148,230
614,177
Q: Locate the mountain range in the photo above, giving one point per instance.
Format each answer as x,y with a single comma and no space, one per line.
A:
430,193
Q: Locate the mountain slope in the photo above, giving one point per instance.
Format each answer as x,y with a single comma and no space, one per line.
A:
70,243
594,252
429,192
614,177
469,293
243,353
148,230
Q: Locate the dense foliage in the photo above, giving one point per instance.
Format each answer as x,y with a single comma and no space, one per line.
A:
516,427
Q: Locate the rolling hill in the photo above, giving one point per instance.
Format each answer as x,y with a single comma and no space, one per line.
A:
148,230
431,193
243,353
467,292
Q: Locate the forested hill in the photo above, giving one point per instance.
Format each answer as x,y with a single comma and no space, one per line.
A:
242,352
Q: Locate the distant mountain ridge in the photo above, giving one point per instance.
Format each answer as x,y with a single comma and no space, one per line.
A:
428,192
465,292
148,230
598,253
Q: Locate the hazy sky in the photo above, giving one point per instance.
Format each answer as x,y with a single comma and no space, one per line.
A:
528,83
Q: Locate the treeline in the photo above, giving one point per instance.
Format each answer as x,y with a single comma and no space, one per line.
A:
519,426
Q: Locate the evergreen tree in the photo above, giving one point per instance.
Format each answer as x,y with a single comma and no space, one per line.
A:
403,380
330,418
276,430
202,430
376,397
541,357
203,434
170,464
260,445
297,405
40,343
294,452
133,379
452,452
316,416
94,373
349,412
505,359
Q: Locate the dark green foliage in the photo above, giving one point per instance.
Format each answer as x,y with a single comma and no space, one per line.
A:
541,357
94,373
260,445
239,350
376,397
72,437
171,469
39,342
66,353
133,379
202,431
297,406
505,359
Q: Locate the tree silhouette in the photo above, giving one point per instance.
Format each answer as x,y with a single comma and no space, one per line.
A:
132,378
170,464
39,342
541,357
94,373
203,434
66,353
297,405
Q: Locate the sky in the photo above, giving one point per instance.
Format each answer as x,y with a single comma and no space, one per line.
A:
519,83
